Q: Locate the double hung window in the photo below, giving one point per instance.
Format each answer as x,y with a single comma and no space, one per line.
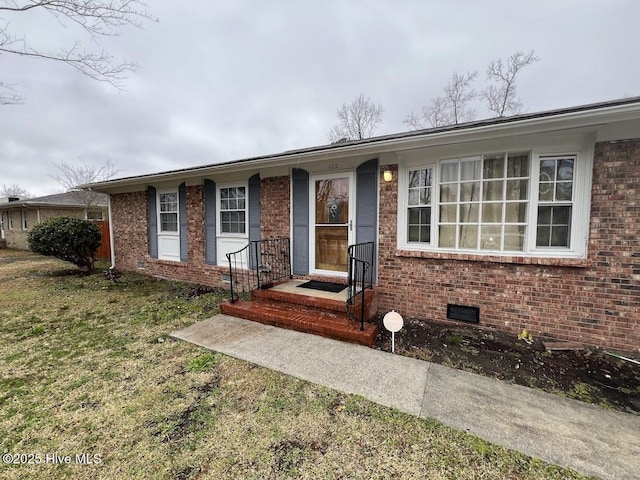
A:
168,212
555,201
233,210
419,205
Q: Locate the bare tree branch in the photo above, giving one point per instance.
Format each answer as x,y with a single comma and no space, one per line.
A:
357,120
449,109
70,176
458,94
98,18
501,97
14,190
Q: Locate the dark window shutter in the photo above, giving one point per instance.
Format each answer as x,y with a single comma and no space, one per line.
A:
254,208
367,205
152,222
182,208
210,222
300,180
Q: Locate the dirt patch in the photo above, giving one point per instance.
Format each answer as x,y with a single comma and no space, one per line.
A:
589,375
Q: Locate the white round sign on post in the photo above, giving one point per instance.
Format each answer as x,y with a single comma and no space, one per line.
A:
393,322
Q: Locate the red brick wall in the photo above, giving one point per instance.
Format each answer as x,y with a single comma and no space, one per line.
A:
594,301
130,213
129,219
275,207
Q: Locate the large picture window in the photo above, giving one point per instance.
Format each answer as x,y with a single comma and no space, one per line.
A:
483,202
233,210
512,202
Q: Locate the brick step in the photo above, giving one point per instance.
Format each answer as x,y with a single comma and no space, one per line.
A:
329,324
300,299
318,303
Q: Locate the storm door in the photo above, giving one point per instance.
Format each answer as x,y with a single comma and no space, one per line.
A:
332,212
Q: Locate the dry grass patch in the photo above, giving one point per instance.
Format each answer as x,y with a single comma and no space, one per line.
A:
86,367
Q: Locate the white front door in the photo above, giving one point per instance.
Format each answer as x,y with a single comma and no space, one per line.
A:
331,217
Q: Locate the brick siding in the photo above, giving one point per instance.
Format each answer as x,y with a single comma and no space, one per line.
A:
275,207
594,301
130,214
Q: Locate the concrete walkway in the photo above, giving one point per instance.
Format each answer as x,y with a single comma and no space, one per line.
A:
566,432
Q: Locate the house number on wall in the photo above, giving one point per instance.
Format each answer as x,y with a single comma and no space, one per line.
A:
333,166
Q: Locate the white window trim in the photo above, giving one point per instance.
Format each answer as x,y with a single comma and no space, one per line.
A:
580,215
219,231
158,212
10,217
23,220
168,238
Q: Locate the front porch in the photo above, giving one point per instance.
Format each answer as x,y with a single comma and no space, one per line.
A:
266,293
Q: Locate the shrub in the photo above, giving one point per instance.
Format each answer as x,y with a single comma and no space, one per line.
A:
69,239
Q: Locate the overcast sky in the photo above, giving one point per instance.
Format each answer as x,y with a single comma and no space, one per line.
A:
223,80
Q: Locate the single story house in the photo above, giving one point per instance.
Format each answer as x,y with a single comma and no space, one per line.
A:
525,222
18,216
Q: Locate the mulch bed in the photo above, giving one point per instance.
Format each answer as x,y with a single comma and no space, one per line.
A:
589,375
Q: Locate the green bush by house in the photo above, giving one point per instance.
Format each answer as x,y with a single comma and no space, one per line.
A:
69,239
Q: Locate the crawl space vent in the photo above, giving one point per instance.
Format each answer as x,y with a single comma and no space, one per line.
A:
463,313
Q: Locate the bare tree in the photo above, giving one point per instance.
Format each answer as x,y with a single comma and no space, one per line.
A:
501,96
14,190
71,176
436,114
96,18
357,120
450,108
458,94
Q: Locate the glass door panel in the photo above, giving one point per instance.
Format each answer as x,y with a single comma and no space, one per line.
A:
331,223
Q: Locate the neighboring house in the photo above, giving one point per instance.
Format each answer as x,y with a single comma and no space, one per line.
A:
3,242
19,216
533,221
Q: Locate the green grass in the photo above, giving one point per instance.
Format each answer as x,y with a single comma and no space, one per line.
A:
87,367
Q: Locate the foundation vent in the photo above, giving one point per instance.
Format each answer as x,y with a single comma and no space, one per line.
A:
463,313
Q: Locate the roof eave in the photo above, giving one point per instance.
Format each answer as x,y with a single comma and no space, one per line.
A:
579,117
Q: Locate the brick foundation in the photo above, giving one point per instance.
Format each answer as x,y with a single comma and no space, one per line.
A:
594,301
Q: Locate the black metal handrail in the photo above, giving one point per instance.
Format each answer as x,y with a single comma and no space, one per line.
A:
360,276
258,264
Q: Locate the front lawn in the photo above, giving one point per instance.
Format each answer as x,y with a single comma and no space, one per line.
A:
86,369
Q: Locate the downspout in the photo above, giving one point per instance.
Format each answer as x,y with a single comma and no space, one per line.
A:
111,240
